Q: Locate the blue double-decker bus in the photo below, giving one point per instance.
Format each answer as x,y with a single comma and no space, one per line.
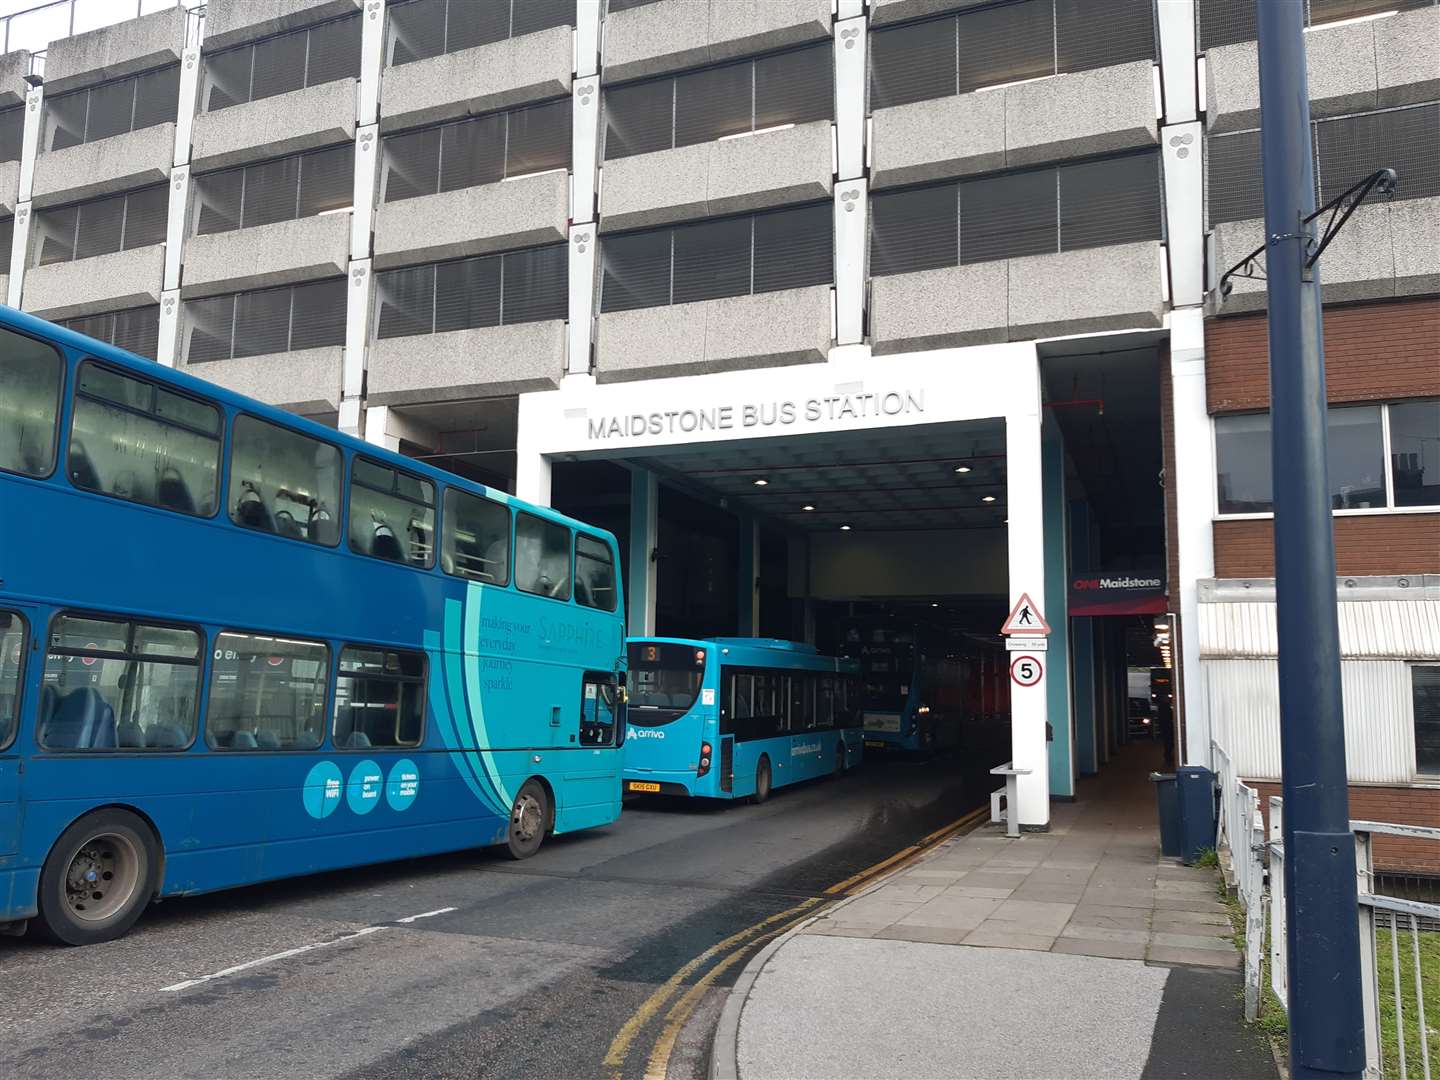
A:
236,646
920,684
734,718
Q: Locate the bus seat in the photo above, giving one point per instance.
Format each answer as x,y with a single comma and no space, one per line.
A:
267,740
384,545
582,592
166,736
82,473
173,493
242,740
49,698
285,525
357,740
250,511
84,720
130,735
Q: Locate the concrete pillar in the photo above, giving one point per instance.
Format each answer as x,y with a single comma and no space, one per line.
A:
29,148
376,428
532,468
644,539
587,38
852,210
1024,486
167,343
1178,69
1057,577
582,300
1082,650
1195,505
851,188
747,576
357,329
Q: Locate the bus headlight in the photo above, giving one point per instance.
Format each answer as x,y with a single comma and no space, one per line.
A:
704,759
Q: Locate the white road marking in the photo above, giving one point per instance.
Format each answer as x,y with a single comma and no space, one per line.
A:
224,972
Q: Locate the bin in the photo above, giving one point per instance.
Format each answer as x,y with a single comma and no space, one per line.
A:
1168,801
1196,788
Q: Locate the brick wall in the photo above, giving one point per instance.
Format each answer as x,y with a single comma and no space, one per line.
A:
1402,805
1373,352
1369,544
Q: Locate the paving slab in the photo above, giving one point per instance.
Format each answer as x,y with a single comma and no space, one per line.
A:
935,934
1190,918
1116,950
1107,933
1169,954
1003,936
1033,916
1193,941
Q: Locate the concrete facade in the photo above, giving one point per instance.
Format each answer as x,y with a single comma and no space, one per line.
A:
234,22
14,66
9,187
123,279
488,362
282,253
525,212
113,52
306,381
104,167
275,126
672,34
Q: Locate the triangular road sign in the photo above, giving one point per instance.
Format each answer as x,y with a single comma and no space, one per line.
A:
1025,618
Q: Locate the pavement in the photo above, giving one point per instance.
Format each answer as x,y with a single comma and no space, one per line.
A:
1080,952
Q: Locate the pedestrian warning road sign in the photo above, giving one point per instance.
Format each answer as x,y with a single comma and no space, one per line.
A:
1025,618
1026,670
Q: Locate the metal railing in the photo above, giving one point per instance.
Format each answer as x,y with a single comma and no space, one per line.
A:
35,28
1241,834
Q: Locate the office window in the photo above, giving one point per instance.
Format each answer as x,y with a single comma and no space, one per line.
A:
1242,463
135,440
286,319
113,108
594,573
1234,190
1012,215
266,693
12,133
780,90
780,249
315,55
31,376
392,514
542,557
379,698
420,29
12,667
625,5
7,241
285,189
114,685
475,151
116,223
1006,43
491,290
283,482
136,330
475,540
1425,693
1415,452
1356,458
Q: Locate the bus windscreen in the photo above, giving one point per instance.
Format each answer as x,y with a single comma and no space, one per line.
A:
664,682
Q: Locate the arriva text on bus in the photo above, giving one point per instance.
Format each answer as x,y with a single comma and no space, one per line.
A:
759,414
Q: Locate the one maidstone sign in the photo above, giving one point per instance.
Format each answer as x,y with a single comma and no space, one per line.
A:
1025,628
1128,592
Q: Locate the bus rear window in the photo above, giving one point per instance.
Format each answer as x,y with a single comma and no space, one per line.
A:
664,682
30,378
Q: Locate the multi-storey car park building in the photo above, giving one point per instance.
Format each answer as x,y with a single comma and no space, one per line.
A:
900,300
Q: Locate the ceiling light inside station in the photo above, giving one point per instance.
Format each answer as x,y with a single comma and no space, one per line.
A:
962,469
760,482
807,506
844,528
988,499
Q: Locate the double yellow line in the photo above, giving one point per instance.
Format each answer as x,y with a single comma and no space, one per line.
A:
740,945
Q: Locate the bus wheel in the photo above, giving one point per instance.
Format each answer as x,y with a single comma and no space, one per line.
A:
529,818
762,781
98,878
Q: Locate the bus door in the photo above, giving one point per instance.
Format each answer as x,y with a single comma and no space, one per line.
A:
16,626
602,710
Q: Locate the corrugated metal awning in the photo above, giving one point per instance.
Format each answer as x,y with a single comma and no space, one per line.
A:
1372,629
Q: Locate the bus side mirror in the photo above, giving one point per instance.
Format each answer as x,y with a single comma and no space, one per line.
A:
620,727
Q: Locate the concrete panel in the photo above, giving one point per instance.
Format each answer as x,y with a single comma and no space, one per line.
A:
305,382
771,329
491,362
1088,112
1407,57
281,253
1415,235
939,309
275,126
113,52
776,168
1233,241
103,167
9,187
890,11
1359,264
4,285
1340,69
489,77
674,34
937,139
123,279
473,221
232,22
1073,292
14,66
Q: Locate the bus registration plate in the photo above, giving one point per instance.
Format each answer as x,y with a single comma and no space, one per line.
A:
643,785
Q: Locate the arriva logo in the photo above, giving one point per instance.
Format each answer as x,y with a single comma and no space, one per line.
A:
646,733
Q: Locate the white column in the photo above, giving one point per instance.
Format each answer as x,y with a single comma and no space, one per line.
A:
372,63
582,300
584,147
1194,508
1026,541
1182,150
362,194
1176,21
357,329
19,248
29,148
644,537
852,208
532,468
377,432
848,9
167,345
190,70
587,38
177,211
851,42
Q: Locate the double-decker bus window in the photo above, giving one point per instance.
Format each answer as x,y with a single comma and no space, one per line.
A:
12,662
379,698
266,693
112,684
134,440
542,557
475,539
30,378
392,514
283,482
594,574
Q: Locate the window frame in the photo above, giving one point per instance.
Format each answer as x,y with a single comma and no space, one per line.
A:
36,242
200,663
250,98
1420,775
20,670
433,506
134,80
342,503
59,445
329,684
576,537
220,435
423,681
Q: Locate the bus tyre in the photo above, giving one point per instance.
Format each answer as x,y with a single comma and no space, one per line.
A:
762,781
529,819
100,875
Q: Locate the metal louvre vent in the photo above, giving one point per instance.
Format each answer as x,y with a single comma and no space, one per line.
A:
420,29
113,108
1034,212
326,52
1226,22
625,5
281,190
1005,43
115,223
794,87
12,133
136,330
707,260
265,321
467,294
7,236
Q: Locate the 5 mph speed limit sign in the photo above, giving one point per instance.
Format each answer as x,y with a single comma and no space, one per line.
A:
1026,670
